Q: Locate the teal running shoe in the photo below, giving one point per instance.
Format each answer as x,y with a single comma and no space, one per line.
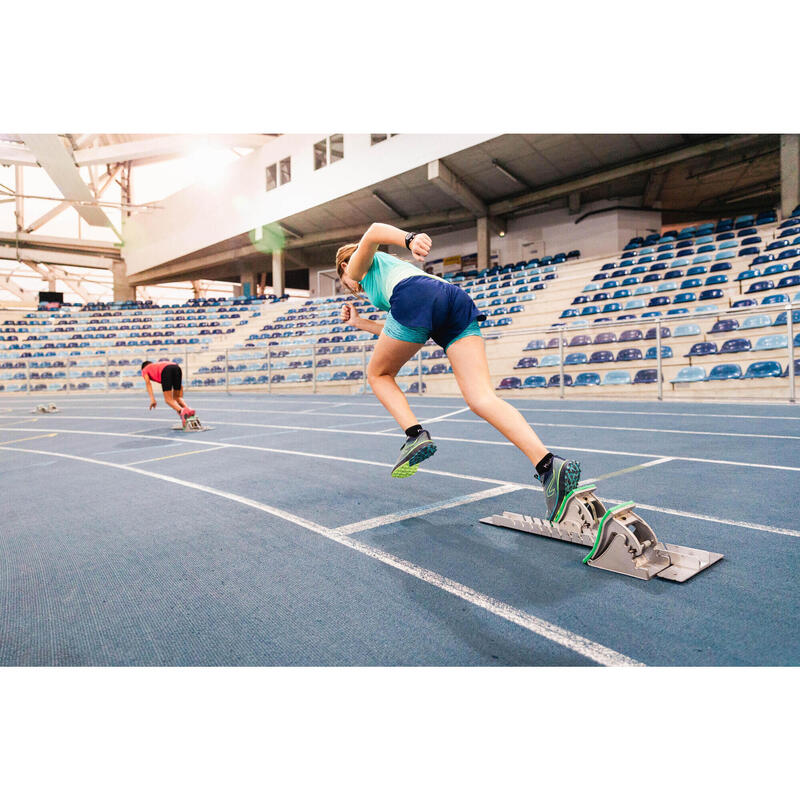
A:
562,478
412,453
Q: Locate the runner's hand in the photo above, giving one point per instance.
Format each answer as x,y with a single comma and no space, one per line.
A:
152,404
421,246
349,313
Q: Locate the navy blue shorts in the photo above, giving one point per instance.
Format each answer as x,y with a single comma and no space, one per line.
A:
427,304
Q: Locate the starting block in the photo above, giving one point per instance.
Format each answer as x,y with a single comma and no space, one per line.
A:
620,540
51,409
191,425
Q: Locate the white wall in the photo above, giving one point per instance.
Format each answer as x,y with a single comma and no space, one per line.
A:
237,201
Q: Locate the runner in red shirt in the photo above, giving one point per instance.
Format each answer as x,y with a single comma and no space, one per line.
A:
169,375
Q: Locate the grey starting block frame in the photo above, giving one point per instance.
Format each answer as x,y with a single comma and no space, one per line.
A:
193,425
620,540
49,409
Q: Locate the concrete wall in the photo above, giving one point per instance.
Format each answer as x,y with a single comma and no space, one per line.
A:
237,201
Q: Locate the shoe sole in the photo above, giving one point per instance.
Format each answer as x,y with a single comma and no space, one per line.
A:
572,477
408,468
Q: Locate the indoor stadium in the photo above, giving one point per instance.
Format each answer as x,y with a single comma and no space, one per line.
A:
510,399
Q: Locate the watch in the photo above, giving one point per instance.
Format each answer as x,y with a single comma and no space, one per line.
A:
409,239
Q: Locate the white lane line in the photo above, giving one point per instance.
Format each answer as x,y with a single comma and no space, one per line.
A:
634,468
441,473
492,442
432,419
421,511
587,648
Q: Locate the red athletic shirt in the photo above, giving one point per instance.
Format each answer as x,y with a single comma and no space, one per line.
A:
153,371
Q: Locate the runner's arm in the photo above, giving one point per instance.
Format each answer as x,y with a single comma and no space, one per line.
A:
377,234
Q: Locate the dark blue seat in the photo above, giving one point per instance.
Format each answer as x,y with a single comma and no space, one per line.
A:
659,301
629,354
714,279
736,346
722,266
691,283
646,376
605,337
760,286
652,332
599,297
685,297
673,273
710,294
782,318
724,325
510,383
696,271
555,380
527,362
703,349
610,308
580,340
631,335
601,357
796,368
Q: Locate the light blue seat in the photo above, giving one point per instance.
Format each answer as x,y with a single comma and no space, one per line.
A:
775,298
667,286
644,289
680,262
635,303
731,243
775,341
757,321
591,287
690,375
550,361
616,377
705,309
704,239
691,329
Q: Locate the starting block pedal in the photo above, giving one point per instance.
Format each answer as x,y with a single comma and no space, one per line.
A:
50,409
191,425
620,540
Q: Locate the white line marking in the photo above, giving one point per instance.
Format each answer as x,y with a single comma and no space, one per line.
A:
174,455
634,468
467,441
480,479
432,419
399,516
572,641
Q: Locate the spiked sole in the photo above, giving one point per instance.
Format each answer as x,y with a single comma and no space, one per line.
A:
408,468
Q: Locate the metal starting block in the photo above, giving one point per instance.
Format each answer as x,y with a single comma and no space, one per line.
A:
192,425
51,409
620,540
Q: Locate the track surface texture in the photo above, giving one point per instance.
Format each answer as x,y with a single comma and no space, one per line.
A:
278,537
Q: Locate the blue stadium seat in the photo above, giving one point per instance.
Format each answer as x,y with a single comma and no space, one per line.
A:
587,379
605,337
535,381
716,279
689,375
757,321
772,342
652,352
764,369
601,357
685,297
629,354
575,358
555,380
692,329
724,372
616,378
703,349
646,376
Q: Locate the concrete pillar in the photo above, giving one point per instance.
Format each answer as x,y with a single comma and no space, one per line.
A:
278,273
237,290
249,282
790,172
122,287
484,250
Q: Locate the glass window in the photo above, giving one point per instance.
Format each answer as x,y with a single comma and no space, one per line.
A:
337,147
321,154
272,175
377,137
286,170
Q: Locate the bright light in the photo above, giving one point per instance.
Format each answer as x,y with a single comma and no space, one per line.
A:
207,163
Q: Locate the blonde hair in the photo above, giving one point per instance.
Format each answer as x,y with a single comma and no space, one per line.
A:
343,254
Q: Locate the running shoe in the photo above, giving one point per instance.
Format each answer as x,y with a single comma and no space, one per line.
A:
412,453
185,413
562,478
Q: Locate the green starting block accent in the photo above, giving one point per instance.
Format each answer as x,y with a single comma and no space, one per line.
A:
620,540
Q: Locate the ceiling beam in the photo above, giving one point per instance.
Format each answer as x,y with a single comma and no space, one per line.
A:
59,274
57,161
91,247
53,257
65,204
16,155
157,146
564,188
24,294
439,174
655,183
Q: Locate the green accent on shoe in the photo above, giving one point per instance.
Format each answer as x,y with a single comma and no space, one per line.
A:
600,527
562,508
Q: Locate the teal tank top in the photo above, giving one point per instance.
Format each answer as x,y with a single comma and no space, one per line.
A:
384,274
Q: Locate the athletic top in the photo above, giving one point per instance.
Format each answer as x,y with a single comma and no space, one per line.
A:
384,274
153,371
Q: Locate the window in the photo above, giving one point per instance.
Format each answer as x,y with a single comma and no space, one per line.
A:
337,147
375,138
286,169
321,154
329,150
272,176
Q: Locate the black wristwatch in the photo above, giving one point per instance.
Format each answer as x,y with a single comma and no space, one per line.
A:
409,239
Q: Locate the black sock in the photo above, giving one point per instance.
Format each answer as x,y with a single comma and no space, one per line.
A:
544,465
414,431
